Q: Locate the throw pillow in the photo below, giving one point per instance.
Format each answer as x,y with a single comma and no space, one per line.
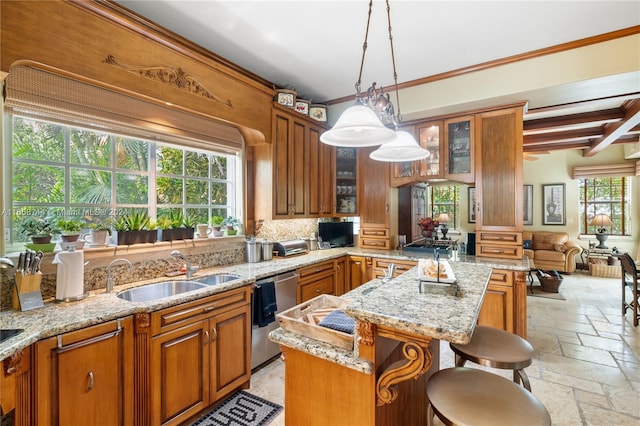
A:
560,247
526,244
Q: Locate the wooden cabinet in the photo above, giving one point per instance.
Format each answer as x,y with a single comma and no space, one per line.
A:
380,266
357,271
459,149
200,352
86,375
292,174
320,174
315,280
406,172
505,303
15,388
499,218
378,202
341,276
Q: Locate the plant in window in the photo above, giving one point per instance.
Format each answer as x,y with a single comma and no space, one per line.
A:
98,234
133,228
70,229
39,229
233,224
164,223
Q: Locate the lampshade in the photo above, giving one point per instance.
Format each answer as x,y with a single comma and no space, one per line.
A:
358,126
444,218
601,221
403,148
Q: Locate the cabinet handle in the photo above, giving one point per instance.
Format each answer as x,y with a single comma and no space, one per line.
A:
91,381
206,337
215,334
209,308
358,263
62,349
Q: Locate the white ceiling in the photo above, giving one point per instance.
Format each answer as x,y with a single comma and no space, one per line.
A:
315,46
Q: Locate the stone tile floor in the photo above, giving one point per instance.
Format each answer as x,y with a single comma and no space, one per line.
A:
586,369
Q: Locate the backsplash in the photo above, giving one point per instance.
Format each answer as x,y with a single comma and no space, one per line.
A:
287,229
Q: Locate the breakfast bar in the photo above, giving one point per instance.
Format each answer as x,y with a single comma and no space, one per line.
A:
396,348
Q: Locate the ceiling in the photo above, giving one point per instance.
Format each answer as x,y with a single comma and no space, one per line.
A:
315,47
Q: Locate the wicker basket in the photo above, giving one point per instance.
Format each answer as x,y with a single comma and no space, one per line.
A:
550,284
606,271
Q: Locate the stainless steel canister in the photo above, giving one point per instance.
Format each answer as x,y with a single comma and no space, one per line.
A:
267,250
253,251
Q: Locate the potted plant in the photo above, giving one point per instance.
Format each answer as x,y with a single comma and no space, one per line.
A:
70,229
98,234
216,224
232,225
39,229
189,223
133,228
164,228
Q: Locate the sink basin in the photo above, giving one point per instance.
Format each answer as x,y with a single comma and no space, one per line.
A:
160,290
218,279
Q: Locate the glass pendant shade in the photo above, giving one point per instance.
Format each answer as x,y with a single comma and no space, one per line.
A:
403,148
358,126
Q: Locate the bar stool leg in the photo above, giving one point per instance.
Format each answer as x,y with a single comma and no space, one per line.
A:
430,414
460,361
524,377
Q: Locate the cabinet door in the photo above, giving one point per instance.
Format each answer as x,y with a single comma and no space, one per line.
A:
288,166
341,276
319,172
346,178
497,309
429,137
459,153
86,375
373,190
230,351
405,172
179,373
324,284
357,272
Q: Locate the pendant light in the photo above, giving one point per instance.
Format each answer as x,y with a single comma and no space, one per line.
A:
362,125
404,147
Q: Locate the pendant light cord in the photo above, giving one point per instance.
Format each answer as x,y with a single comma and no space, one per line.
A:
393,61
364,50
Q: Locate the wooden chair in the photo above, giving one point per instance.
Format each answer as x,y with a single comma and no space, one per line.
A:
630,279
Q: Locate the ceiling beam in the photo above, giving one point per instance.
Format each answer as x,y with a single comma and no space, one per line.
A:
592,118
616,130
563,136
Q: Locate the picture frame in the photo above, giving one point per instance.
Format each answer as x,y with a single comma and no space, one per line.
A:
286,97
527,205
554,204
472,204
302,106
318,112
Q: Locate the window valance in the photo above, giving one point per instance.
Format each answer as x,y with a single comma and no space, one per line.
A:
606,170
46,95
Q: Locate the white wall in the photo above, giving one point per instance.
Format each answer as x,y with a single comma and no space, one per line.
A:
556,168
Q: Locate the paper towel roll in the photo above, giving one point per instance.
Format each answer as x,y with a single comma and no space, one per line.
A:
70,279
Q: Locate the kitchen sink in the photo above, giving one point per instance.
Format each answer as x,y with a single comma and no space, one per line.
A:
149,292
218,279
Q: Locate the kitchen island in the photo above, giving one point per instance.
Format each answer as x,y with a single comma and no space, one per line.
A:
382,381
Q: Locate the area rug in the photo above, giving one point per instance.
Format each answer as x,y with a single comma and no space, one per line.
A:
536,291
241,409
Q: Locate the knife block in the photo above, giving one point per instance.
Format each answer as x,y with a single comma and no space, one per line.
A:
25,284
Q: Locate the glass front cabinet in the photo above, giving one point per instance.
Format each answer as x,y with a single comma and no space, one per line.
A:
459,149
346,178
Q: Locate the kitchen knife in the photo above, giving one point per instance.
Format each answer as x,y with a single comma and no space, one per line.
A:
20,263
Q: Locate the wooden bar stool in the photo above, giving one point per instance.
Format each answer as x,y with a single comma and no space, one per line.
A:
466,396
496,348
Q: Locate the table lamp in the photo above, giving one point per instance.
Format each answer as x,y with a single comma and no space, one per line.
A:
444,219
601,221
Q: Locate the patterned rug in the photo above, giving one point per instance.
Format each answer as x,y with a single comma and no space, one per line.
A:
241,409
536,291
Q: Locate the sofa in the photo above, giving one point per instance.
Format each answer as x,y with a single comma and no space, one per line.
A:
550,251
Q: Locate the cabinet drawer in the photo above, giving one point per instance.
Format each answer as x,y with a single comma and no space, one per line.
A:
501,277
499,251
309,272
374,232
511,238
375,243
322,286
179,315
380,266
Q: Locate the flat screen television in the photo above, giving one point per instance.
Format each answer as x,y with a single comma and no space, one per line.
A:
338,234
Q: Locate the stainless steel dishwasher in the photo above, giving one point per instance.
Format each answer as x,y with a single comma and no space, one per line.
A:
262,349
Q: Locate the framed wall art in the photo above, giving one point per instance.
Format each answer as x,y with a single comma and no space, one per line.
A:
553,204
527,205
472,205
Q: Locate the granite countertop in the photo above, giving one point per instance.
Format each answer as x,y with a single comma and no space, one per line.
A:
56,318
437,312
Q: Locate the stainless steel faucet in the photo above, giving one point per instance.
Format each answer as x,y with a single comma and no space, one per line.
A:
190,269
389,273
110,277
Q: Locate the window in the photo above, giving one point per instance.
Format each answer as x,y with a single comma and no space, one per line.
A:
610,196
446,199
60,170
